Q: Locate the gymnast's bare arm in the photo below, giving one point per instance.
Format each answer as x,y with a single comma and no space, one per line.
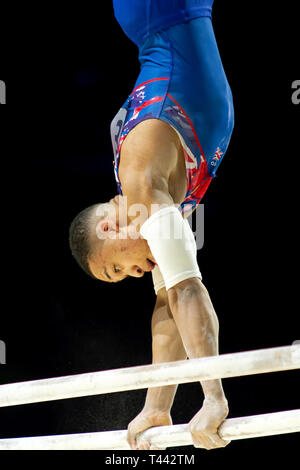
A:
166,347
151,172
198,327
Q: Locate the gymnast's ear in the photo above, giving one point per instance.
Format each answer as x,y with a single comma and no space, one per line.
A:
105,228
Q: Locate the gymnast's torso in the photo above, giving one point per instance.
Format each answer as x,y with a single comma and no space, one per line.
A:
181,82
142,18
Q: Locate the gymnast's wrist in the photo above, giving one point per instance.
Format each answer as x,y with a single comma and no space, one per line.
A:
160,402
213,391
215,400
157,407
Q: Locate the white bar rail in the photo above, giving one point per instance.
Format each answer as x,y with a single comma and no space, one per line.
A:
133,378
165,436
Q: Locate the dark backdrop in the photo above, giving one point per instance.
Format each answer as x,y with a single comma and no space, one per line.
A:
67,73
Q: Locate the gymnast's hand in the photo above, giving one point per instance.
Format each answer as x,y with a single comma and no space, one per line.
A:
205,424
143,421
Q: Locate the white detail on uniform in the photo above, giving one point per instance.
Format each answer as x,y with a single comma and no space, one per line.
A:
116,129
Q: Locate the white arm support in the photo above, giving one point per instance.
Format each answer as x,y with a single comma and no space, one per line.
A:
173,246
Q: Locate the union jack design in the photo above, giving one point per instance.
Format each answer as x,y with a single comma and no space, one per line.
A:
218,154
151,100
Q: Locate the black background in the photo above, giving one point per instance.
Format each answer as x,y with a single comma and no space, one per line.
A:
68,70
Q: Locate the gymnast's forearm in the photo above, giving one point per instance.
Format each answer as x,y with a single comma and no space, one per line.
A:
198,325
166,347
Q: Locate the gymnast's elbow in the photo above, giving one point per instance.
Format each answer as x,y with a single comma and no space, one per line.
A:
186,290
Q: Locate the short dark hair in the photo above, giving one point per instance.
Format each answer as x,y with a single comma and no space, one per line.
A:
80,238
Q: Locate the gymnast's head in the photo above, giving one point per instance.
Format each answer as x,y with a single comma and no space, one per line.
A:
105,247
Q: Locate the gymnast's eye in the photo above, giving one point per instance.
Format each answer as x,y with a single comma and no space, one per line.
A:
116,269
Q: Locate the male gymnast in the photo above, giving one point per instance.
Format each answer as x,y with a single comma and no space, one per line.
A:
168,138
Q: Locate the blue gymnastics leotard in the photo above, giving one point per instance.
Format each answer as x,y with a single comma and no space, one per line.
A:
181,82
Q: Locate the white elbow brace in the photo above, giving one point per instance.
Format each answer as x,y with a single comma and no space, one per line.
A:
173,246
158,280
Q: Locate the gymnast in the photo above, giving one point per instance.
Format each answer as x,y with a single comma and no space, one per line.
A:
169,139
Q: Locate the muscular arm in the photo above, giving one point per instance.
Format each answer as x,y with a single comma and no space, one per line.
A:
198,325
191,328
149,156
147,162
166,347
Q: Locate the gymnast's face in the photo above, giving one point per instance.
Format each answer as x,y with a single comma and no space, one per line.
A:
115,258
